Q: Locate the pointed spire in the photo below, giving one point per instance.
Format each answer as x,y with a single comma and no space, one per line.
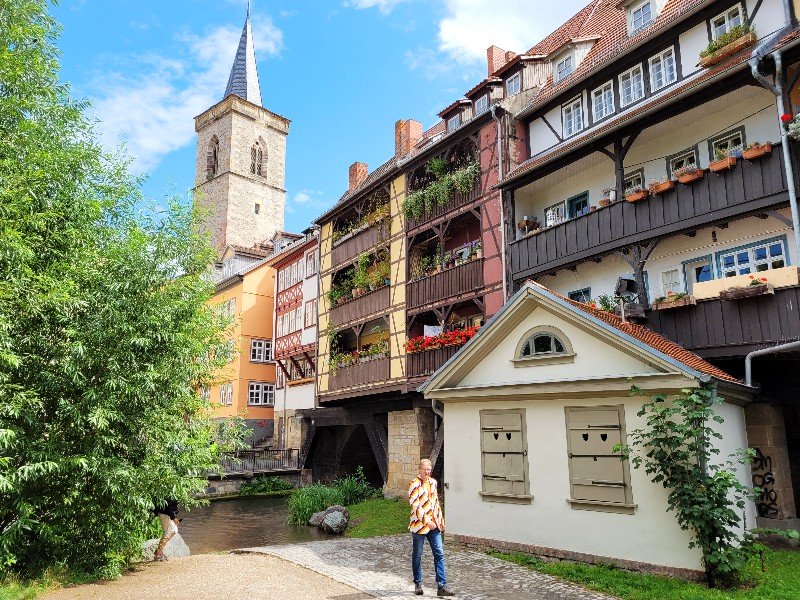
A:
243,80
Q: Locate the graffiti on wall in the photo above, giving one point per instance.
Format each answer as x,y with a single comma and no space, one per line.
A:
764,479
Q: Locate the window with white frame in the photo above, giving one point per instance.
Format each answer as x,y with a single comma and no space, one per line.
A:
634,180
631,86
640,15
723,23
226,394
662,69
260,394
555,214
260,350
514,84
298,318
727,143
572,117
753,259
454,122
482,104
311,263
228,267
564,68
603,101
205,393
687,158
279,326
300,270
281,283
671,282
280,378
311,313
291,321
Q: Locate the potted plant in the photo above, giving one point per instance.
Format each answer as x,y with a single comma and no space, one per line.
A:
688,174
661,187
758,286
794,128
477,248
608,196
636,193
673,300
727,44
724,161
528,224
756,150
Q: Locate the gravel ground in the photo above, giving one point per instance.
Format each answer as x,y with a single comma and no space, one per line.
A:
215,576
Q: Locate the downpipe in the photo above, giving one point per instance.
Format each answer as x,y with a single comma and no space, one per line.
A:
502,207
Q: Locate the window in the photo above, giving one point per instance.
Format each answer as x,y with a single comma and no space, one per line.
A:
311,313
572,117
280,378
753,259
205,393
726,143
602,101
564,68
598,478
662,70
634,180
257,208
541,343
291,322
640,15
671,282
722,24
504,455
260,394
227,308
555,214
311,263
298,318
279,326
578,206
631,86
226,394
228,267
253,158
680,160
260,162
514,84
454,122
230,350
280,281
260,350
696,271
212,158
300,270
584,295
482,104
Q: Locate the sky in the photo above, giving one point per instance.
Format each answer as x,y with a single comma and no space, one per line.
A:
343,71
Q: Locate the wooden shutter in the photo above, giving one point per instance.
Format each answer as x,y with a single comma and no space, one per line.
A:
504,453
596,471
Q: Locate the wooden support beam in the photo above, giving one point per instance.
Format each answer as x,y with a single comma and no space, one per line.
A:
305,452
282,368
310,361
380,444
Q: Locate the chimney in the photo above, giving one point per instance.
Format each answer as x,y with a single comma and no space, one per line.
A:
406,135
495,58
510,56
358,173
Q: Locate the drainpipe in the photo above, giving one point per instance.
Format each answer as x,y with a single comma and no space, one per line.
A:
502,208
748,360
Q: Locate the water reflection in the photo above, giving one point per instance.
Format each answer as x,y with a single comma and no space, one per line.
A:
242,523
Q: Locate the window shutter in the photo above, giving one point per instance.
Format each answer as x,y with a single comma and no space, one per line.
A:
504,453
596,471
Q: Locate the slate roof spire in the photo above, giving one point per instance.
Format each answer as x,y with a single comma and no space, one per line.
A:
243,80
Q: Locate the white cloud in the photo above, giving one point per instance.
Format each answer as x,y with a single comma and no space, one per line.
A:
149,102
385,6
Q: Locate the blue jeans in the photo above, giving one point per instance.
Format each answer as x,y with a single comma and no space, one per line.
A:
435,540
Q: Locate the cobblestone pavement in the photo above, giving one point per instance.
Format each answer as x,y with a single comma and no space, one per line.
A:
382,567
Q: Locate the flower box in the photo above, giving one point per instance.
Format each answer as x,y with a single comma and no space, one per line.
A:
662,186
687,178
604,202
749,291
779,278
735,46
637,196
757,151
678,302
724,164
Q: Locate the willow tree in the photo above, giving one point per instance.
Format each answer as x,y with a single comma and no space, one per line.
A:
104,334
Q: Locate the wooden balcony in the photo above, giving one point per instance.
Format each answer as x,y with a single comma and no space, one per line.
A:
365,373
352,245
715,328
361,307
747,188
457,201
425,363
450,283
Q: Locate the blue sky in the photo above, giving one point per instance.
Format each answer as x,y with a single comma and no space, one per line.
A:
342,71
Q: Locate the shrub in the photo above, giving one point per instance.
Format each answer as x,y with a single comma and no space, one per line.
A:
355,488
263,485
306,501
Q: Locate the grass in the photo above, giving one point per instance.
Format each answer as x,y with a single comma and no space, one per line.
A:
13,590
780,581
378,517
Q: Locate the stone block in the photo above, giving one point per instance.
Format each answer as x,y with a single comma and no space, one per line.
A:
175,548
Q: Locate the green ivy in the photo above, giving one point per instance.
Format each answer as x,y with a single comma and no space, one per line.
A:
440,190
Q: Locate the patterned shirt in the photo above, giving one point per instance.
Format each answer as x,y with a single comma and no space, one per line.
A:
426,514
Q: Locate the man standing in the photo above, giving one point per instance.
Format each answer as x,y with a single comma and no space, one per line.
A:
426,521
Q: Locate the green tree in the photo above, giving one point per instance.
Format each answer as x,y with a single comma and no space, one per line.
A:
105,335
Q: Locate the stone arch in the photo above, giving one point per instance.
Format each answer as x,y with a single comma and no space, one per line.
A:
357,451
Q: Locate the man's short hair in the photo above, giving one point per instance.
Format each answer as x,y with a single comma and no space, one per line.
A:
425,461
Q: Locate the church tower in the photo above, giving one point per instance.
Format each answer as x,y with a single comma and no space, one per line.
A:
241,156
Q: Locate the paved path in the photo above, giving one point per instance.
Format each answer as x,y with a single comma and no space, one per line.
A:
382,567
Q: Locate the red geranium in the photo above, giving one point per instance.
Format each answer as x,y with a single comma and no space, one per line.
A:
446,338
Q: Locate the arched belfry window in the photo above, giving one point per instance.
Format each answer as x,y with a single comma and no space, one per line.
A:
258,155
544,344
212,158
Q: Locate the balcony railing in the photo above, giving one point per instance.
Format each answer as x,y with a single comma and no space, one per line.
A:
714,328
425,363
363,373
449,283
259,461
456,201
354,244
748,187
363,306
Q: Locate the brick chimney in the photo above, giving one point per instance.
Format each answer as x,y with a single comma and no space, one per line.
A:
358,173
406,135
495,58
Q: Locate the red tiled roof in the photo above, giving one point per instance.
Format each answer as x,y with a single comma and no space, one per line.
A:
650,338
252,251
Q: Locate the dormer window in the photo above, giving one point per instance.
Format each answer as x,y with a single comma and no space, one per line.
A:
543,344
454,122
722,24
482,104
514,84
640,15
564,68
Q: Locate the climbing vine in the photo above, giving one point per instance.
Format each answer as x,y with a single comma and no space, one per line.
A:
439,191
